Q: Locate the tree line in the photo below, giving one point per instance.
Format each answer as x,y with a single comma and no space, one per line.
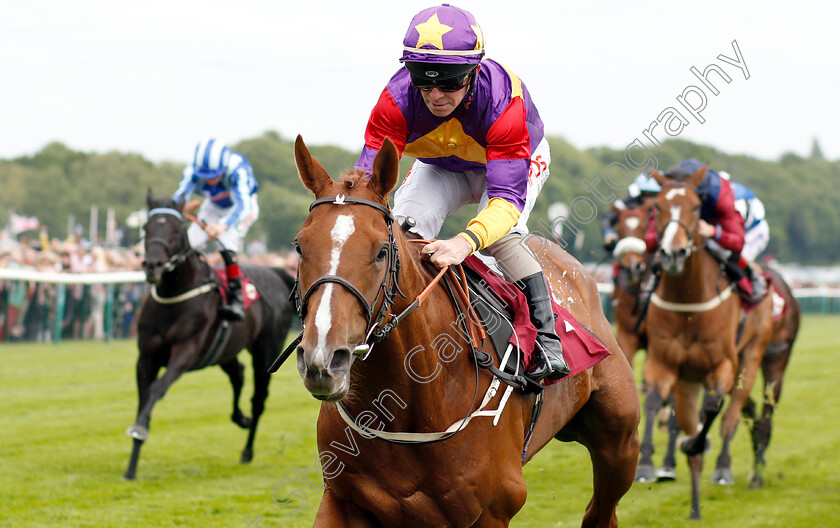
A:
801,194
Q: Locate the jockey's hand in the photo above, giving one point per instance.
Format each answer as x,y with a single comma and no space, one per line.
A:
214,230
449,252
706,229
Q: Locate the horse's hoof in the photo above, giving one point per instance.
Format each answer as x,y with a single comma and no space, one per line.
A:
723,477
690,445
128,477
138,432
756,482
645,473
247,456
242,421
666,474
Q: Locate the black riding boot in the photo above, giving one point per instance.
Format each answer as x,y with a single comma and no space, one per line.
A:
750,286
233,310
759,285
550,363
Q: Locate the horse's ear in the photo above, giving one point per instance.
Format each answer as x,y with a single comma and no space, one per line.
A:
659,176
150,198
697,178
179,205
386,168
312,174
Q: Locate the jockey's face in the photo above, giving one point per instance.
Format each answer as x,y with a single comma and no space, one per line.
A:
213,181
442,103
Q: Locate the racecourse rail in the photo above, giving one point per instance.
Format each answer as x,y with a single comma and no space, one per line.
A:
813,300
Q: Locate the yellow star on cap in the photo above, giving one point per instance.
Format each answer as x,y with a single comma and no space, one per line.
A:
432,32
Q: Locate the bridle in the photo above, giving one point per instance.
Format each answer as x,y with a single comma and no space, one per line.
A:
692,233
379,326
175,257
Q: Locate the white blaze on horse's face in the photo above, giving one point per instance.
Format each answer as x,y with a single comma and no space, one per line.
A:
340,233
675,192
671,230
631,223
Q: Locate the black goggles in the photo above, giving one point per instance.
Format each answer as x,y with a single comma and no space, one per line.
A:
453,84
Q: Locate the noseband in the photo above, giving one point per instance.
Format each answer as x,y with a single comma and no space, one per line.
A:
377,327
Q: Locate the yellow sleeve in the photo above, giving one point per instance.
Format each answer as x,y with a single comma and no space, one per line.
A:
491,224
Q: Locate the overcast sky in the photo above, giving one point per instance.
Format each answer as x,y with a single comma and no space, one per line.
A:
153,77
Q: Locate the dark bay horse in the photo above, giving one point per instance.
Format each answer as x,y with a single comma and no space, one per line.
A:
773,366
180,320
417,454
693,321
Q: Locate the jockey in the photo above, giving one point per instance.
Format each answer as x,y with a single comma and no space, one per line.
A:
642,191
756,229
478,138
227,181
722,226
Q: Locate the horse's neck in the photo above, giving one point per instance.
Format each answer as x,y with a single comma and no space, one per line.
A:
185,276
415,366
700,280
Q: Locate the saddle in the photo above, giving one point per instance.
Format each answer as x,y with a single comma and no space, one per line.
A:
503,310
249,289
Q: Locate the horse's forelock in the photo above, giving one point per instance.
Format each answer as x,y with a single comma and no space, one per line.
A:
359,179
163,202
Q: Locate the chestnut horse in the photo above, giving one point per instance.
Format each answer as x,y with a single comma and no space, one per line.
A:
427,457
179,321
634,277
634,269
693,321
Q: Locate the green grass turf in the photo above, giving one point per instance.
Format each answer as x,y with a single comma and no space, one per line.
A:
63,451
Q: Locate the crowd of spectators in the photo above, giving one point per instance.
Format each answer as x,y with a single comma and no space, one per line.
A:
28,309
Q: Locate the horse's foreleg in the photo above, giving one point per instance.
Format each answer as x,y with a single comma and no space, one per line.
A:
147,371
336,513
694,446
668,470
236,373
645,470
177,366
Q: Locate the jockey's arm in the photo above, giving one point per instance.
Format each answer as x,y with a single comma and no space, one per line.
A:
185,186
240,195
507,170
386,120
729,228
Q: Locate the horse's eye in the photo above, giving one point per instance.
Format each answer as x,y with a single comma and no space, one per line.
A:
297,248
382,254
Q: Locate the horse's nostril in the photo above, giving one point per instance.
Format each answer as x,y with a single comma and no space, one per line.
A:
340,360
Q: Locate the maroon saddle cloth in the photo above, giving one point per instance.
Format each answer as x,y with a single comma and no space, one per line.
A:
249,290
581,348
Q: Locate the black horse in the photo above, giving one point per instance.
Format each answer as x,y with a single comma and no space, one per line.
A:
180,326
